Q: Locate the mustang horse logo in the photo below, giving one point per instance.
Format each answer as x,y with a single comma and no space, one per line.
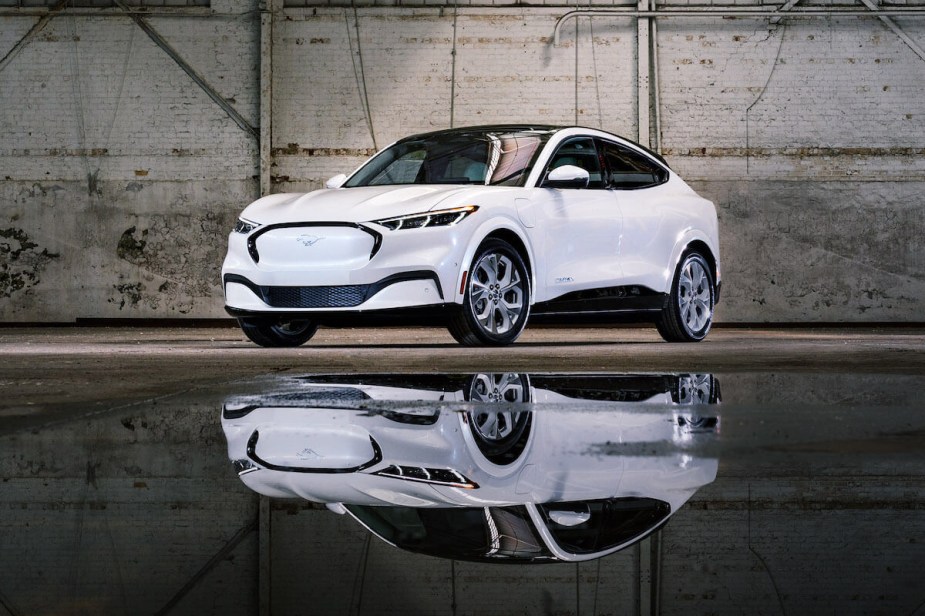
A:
309,240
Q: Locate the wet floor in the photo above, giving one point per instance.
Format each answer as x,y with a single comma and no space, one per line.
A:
478,492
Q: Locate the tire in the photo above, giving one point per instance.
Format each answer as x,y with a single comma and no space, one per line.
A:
689,313
277,333
496,304
501,435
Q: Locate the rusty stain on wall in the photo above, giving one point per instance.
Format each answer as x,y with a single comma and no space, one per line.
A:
81,152
739,152
293,149
21,261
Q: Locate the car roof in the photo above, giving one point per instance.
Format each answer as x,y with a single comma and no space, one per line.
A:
487,128
529,128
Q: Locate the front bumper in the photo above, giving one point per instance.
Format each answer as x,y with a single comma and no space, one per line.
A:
395,291
334,267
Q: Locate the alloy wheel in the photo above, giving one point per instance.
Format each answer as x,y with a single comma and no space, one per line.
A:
695,295
497,293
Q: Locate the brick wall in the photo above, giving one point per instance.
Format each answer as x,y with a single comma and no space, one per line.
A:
119,177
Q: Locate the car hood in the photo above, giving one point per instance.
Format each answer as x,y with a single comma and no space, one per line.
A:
362,204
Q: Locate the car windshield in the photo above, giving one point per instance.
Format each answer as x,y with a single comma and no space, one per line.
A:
487,157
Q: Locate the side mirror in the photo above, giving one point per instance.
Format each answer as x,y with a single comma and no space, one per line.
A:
567,176
336,182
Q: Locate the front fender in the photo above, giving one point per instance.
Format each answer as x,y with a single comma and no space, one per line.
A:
505,224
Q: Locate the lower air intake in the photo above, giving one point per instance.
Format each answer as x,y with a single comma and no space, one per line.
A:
317,297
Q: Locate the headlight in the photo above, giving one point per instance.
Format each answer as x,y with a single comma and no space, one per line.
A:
439,218
245,226
438,476
243,467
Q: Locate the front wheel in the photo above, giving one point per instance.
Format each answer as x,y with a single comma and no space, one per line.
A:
498,422
497,298
270,332
689,313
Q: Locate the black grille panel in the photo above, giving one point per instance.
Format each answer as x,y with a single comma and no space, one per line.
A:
344,296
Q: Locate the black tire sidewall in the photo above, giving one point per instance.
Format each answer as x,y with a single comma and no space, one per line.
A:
266,332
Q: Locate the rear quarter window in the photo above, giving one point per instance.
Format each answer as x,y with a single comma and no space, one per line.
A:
626,169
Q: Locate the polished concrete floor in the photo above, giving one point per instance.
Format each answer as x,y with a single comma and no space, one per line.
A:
43,368
120,496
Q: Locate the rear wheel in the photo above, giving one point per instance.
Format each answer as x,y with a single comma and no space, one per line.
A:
689,313
696,389
270,332
497,299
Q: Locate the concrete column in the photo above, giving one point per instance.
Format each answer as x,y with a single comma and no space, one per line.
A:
264,556
642,74
650,564
267,10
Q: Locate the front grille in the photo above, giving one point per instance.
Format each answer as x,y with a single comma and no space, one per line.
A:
344,296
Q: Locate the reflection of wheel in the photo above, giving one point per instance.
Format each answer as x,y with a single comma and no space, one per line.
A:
507,387
497,299
689,313
501,435
269,332
696,389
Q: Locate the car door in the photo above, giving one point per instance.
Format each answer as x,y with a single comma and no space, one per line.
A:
638,183
578,229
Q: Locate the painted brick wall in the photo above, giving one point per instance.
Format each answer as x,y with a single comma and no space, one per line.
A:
506,71
119,177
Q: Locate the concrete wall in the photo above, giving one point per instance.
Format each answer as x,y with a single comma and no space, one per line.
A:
119,177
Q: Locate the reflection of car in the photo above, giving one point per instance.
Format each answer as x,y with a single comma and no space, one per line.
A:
480,229
495,466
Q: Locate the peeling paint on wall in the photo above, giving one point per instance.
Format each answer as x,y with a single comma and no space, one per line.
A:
22,261
178,258
131,248
128,294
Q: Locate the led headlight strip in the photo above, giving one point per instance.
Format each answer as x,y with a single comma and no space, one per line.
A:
437,218
245,226
439,476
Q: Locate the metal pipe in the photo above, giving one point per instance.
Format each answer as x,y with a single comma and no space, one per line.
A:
722,13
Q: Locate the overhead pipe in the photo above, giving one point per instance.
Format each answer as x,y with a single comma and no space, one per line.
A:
724,13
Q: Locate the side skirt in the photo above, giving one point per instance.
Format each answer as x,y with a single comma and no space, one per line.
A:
606,305
631,304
